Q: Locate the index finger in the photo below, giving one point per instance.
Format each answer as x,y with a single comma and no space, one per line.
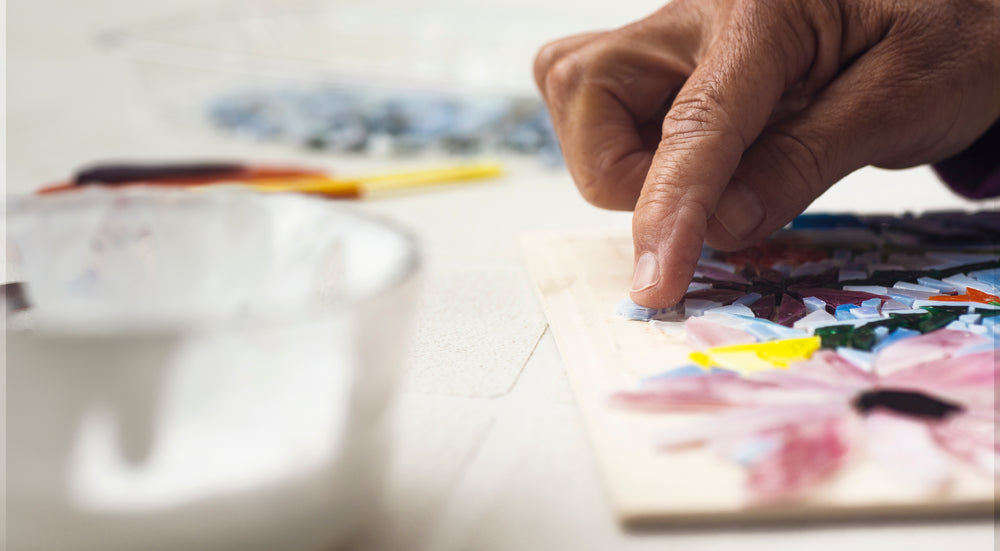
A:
718,113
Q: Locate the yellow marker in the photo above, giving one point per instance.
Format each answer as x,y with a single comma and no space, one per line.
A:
747,358
357,186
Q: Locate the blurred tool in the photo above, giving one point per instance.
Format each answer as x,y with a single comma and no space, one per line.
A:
272,178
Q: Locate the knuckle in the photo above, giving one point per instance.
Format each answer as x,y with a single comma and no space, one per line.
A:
546,57
695,206
700,114
562,67
686,113
564,76
664,174
662,195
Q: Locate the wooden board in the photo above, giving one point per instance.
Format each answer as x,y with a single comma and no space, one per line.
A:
579,278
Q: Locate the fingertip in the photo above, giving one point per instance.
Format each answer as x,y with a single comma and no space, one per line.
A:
655,284
671,240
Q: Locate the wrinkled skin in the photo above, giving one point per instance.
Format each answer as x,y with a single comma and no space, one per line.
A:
719,121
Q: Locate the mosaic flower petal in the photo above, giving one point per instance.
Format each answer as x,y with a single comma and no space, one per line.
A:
809,377
722,430
906,448
978,371
931,346
712,391
701,333
805,456
972,438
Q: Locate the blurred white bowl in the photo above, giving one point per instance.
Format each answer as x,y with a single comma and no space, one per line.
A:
204,370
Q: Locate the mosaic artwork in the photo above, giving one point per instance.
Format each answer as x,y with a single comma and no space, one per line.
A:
840,339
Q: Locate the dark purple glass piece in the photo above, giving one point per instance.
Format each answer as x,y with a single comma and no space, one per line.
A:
790,310
764,307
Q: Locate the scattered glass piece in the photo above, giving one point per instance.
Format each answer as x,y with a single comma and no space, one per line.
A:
893,306
964,283
873,289
790,310
813,304
632,311
733,309
814,319
748,299
942,287
971,295
697,307
916,287
336,119
990,276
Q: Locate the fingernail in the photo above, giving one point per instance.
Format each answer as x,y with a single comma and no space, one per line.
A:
646,274
739,210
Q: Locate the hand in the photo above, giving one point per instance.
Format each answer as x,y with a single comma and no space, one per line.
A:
719,121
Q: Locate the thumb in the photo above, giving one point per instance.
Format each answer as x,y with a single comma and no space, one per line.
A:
720,110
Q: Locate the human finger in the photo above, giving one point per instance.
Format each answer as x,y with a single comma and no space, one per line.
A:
719,112
864,116
607,97
553,51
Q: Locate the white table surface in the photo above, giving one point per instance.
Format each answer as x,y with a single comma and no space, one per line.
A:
490,452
